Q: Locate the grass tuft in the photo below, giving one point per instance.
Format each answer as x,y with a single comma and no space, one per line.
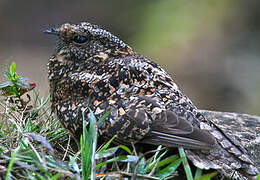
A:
88,144
33,145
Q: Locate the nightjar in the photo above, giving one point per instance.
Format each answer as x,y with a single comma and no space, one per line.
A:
94,68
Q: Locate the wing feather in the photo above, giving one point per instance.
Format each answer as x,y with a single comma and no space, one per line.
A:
173,131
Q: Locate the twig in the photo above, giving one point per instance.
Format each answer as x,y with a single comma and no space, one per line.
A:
133,146
158,160
68,173
67,149
34,150
125,174
139,175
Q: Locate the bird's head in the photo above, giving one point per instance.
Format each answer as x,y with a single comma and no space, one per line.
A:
78,42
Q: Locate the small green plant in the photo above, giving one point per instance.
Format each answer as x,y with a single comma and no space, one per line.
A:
15,88
16,85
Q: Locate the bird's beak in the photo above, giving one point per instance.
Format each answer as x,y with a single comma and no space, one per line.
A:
51,31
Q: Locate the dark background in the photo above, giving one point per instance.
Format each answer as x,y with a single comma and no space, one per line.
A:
211,48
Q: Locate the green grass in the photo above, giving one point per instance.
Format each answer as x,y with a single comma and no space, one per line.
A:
33,145
29,142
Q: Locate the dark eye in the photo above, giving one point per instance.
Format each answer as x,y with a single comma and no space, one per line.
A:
80,39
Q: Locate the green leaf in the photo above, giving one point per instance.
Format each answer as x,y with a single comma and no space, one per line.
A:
88,146
5,85
103,148
11,90
167,171
73,163
156,158
51,162
164,162
93,135
8,75
11,163
185,164
125,148
19,84
21,78
130,159
141,167
107,144
13,69
207,176
127,158
101,120
106,153
198,173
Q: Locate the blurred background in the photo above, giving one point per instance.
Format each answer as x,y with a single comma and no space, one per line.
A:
211,48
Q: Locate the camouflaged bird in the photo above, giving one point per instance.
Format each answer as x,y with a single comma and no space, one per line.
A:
92,67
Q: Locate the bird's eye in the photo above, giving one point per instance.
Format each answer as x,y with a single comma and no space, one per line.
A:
80,39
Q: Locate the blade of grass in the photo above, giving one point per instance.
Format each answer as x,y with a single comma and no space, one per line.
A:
164,162
106,153
156,162
106,145
101,120
84,152
127,158
198,173
167,171
88,146
11,163
93,132
185,164
72,162
154,159
126,149
207,176
141,167
104,148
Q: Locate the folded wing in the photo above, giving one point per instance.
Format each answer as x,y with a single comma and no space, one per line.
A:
173,131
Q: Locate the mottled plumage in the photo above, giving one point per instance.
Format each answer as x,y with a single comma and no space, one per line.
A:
91,67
